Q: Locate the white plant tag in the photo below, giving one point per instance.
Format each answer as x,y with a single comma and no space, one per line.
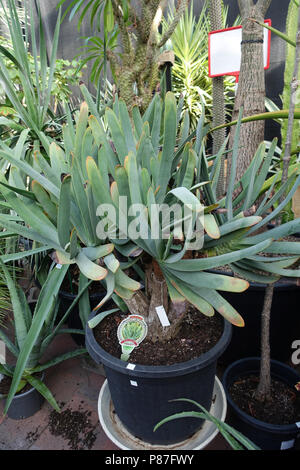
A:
287,444
130,366
163,318
133,383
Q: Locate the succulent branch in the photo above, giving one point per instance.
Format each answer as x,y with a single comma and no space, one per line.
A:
182,5
290,123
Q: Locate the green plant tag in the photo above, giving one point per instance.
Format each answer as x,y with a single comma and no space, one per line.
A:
131,332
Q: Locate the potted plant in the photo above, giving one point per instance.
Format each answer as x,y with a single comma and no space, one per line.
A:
146,160
132,385
23,382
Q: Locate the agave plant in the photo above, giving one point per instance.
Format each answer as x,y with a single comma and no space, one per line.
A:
33,333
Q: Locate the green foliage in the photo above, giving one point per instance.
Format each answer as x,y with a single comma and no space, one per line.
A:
33,333
149,163
95,48
289,38
291,31
135,64
66,74
190,70
236,439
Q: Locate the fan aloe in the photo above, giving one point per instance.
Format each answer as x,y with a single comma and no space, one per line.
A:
33,333
143,160
171,172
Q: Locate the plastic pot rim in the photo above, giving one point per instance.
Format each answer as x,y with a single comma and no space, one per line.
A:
271,428
138,370
32,389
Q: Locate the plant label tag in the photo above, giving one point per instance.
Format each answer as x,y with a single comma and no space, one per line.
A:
2,353
131,332
287,444
163,318
130,366
133,383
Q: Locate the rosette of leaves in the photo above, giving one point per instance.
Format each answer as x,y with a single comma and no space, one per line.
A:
149,170
145,159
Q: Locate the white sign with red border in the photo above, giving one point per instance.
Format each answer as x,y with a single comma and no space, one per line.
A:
224,51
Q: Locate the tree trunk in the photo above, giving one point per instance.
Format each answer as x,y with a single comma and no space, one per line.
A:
156,295
263,390
138,65
251,87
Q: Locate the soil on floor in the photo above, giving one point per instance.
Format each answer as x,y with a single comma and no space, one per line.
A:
198,334
73,426
282,408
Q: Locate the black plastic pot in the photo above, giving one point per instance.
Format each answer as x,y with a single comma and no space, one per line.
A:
266,436
284,327
141,394
25,404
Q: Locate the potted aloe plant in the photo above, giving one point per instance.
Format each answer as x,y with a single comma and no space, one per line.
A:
78,193
176,275
23,385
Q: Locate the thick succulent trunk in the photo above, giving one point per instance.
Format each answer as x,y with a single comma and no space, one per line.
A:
251,88
156,295
138,64
215,10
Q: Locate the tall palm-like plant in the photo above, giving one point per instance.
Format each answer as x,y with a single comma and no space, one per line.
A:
189,72
134,64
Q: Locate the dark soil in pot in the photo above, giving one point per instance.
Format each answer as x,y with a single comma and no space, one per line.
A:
272,425
283,407
197,335
143,394
5,384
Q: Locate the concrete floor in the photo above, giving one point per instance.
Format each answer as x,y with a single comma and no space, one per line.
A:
75,385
